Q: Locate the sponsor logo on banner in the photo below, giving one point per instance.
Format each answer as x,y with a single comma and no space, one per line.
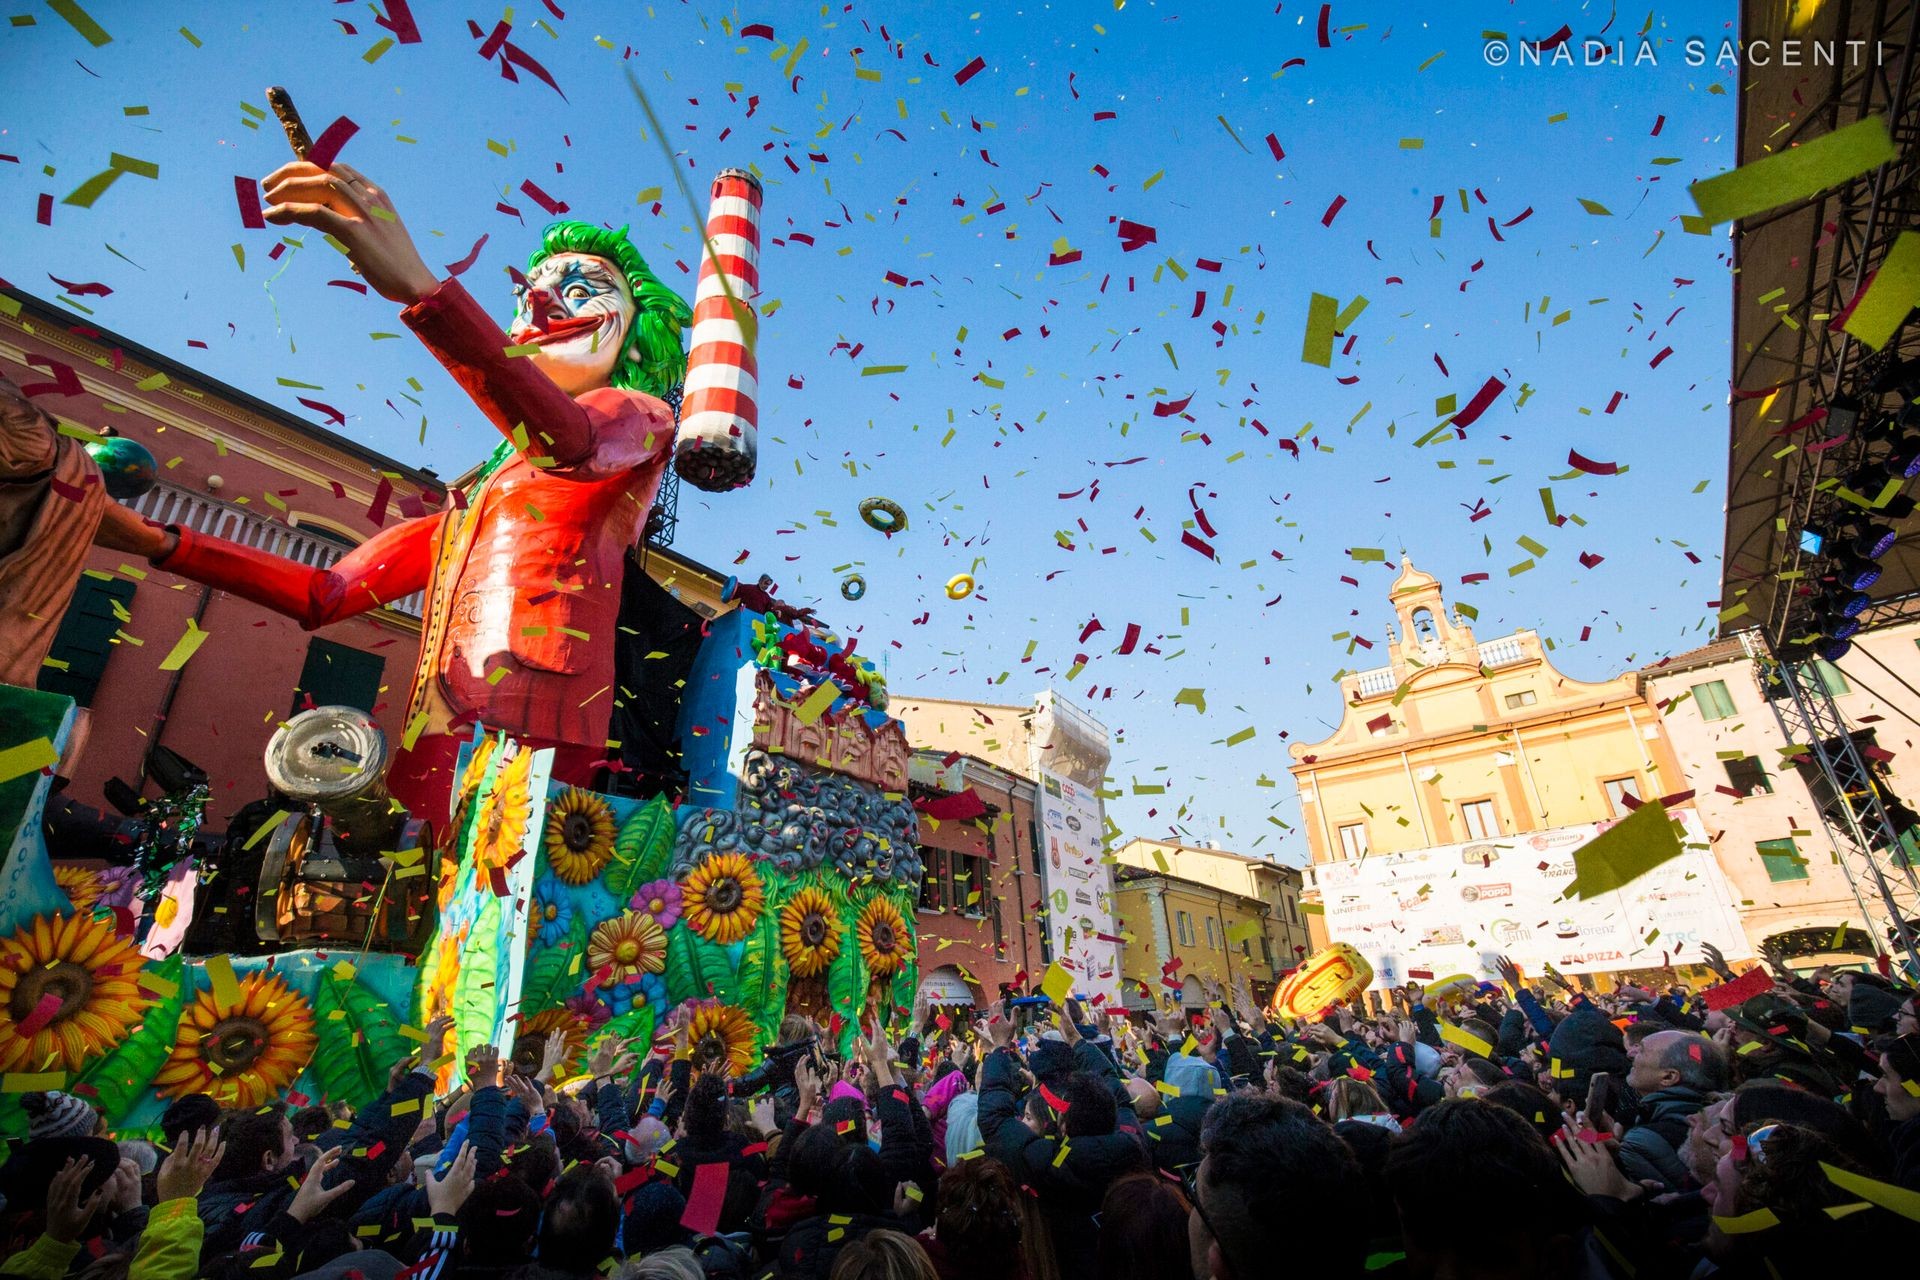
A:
1376,905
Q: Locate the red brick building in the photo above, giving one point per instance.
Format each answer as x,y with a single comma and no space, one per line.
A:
235,466
981,888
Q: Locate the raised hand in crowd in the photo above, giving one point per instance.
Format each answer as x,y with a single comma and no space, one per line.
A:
449,1191
314,1195
69,1212
189,1165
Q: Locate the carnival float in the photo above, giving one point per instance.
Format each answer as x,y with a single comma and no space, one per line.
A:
475,870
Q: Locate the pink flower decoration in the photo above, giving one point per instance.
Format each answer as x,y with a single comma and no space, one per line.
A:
589,1008
659,899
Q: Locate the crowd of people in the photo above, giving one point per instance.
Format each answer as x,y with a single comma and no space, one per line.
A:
1514,1130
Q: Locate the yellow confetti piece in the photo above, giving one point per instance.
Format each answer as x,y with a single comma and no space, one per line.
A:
185,647
226,987
1057,985
158,985
817,703
1747,1223
32,1081
1894,292
1795,173
80,21
1889,1197
27,757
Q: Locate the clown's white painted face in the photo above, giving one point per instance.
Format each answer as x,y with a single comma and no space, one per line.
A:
578,309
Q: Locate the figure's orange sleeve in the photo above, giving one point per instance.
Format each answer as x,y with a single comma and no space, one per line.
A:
602,433
393,563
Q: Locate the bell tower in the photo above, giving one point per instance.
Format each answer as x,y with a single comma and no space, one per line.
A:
1429,636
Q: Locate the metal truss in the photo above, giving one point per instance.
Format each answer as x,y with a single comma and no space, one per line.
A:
664,519
1877,868
1858,223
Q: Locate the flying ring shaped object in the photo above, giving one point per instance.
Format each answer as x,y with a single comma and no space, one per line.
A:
959,586
853,588
883,515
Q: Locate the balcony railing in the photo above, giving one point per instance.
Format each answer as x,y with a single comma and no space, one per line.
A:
1378,680
1503,652
170,504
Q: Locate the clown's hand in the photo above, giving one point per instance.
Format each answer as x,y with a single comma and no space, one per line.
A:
342,202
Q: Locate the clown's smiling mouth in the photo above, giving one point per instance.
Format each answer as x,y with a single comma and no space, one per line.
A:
560,330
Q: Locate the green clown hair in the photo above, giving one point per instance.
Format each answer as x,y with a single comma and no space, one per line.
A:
659,316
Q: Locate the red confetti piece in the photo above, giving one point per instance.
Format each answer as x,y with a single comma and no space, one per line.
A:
1172,407
42,1014
1754,982
1588,465
473,256
1333,211
1659,123
1664,353
80,289
758,30
1273,145
334,416
969,71
1614,403
553,207
399,20
1326,16
354,285
332,140
65,381
1485,396
1588,559
1130,639
44,215
377,510
246,192
1554,41
1186,537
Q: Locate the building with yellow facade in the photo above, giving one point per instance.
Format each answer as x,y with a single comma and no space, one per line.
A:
1282,940
1461,740
1178,936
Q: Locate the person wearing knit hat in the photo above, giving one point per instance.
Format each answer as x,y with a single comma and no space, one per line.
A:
58,1115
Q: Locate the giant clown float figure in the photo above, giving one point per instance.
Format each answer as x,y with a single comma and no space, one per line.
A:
511,895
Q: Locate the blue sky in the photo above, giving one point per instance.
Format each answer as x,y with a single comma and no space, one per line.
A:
993,441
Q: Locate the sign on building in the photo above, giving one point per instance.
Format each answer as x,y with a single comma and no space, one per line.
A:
1432,913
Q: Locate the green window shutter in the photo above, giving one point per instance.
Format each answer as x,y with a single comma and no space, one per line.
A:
1714,701
336,675
1836,684
1782,859
85,642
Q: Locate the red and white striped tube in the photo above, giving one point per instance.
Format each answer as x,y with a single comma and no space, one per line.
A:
718,439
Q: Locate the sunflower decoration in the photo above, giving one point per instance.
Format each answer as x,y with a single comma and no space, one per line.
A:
722,898
720,1035
579,835
810,933
530,1046
630,944
884,941
501,828
467,793
76,983
82,887
243,1053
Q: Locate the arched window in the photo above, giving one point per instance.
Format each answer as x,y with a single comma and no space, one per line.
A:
1423,626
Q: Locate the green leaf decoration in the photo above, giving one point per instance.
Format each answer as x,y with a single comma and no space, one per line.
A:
643,849
359,1040
636,1024
473,990
715,971
118,1079
847,980
555,973
683,966
752,983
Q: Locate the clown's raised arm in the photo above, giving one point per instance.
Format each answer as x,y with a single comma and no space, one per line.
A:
525,582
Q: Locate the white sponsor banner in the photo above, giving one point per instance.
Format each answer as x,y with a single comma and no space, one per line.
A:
1453,908
1079,888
